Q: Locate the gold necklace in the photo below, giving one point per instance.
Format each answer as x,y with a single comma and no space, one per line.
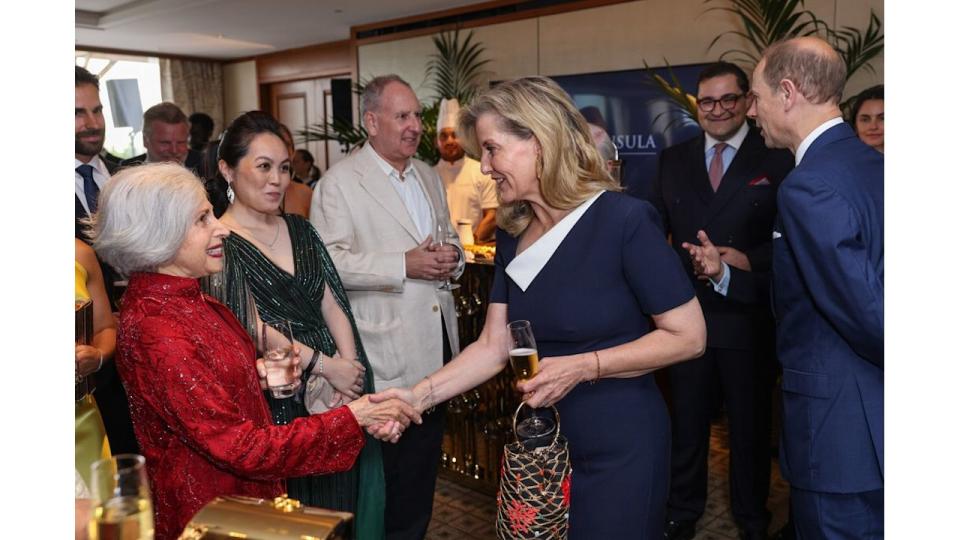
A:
276,236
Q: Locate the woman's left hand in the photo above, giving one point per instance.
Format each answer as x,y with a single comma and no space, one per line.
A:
555,378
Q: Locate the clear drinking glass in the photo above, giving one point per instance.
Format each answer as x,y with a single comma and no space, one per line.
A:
443,236
120,496
525,362
276,346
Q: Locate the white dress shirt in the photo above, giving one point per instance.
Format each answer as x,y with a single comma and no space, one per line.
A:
733,145
100,176
407,185
808,140
730,152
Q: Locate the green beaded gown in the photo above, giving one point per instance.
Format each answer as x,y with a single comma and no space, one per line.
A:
296,298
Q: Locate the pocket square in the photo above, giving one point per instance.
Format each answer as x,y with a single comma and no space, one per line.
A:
759,181
776,234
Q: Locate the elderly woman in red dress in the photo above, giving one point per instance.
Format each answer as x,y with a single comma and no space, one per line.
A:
189,367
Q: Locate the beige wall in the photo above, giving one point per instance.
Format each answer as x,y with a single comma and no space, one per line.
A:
511,48
608,38
239,89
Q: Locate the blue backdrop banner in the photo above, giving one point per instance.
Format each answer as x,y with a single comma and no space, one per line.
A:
637,115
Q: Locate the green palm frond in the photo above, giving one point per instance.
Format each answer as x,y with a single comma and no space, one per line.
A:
456,69
764,23
683,105
345,133
858,48
427,151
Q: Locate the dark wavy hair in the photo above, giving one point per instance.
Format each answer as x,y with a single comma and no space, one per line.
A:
234,145
874,92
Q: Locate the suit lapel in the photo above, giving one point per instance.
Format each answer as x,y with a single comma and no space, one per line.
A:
737,175
699,178
835,133
378,186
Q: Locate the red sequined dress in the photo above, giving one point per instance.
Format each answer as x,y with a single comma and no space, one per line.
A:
198,412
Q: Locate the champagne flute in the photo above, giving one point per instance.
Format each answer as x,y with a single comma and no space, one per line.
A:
443,236
277,358
120,495
525,362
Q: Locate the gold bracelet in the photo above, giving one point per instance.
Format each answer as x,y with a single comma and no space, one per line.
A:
431,397
100,365
597,356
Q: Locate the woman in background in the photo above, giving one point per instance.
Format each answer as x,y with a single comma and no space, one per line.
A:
297,195
867,117
91,438
280,260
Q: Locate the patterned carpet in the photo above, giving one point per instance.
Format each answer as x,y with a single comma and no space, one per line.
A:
460,513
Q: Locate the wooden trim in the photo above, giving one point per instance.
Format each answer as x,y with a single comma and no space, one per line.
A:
152,54
487,21
324,60
432,15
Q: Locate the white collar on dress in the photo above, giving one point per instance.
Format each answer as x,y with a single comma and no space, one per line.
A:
525,267
734,142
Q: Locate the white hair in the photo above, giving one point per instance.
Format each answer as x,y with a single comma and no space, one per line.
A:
144,214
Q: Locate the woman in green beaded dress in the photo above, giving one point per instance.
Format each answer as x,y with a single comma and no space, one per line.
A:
278,262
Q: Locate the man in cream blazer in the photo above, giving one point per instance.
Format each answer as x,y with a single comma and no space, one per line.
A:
376,212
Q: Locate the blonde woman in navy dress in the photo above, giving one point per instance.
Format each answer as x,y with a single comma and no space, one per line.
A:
587,266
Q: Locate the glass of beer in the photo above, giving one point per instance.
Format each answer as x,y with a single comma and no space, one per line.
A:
120,496
526,363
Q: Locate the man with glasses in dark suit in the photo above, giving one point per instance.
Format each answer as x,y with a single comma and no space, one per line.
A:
720,187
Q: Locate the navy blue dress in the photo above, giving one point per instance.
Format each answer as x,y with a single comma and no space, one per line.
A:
612,270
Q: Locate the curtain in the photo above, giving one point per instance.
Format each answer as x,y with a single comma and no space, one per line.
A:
195,86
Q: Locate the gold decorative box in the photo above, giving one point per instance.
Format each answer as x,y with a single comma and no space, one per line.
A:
265,519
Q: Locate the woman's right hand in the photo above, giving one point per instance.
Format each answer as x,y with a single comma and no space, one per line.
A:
369,414
88,359
345,375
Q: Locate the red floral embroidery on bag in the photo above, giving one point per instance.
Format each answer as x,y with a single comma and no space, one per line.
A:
565,487
521,516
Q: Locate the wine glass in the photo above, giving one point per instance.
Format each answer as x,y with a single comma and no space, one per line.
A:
120,495
526,363
443,236
276,346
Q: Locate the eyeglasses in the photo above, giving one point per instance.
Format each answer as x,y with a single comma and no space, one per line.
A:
727,102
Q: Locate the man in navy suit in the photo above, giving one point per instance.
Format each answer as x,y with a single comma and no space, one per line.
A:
828,293
722,185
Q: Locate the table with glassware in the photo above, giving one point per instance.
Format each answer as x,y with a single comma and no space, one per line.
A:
479,422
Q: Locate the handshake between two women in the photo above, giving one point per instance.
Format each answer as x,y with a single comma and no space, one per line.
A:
384,417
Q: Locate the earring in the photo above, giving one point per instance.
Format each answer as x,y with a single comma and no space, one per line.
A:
230,194
539,167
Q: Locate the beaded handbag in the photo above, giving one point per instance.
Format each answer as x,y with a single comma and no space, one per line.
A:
534,496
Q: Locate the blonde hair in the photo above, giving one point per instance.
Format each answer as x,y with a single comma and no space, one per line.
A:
571,168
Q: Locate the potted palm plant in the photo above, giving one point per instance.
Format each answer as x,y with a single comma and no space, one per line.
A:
454,70
760,23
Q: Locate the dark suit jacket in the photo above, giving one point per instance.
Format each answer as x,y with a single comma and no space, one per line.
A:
80,212
193,162
739,215
828,297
